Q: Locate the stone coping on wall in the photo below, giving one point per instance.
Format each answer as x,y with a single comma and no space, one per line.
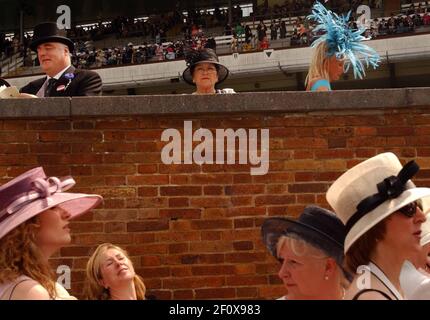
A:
283,102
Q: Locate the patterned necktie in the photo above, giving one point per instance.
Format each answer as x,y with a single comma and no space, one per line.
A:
49,86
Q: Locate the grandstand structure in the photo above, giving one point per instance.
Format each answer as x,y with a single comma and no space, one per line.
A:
282,67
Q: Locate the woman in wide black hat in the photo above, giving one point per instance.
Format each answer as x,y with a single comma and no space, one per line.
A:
310,250
205,72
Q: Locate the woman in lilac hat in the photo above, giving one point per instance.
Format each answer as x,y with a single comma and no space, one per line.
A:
34,217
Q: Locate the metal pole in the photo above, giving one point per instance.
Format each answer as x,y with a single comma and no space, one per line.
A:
21,26
230,7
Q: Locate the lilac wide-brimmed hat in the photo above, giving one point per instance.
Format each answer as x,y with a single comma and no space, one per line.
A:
33,192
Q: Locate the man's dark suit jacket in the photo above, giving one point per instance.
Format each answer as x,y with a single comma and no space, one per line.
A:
81,83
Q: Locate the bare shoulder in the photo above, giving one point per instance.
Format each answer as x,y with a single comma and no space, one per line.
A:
315,80
30,290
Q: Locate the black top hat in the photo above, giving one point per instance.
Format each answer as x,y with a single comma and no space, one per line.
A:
3,82
317,226
206,55
49,32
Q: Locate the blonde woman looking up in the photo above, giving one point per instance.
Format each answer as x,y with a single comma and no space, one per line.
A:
111,276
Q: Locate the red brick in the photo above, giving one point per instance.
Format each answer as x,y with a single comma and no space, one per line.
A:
178,248
308,188
181,271
212,270
178,202
365,131
14,148
83,125
74,251
148,260
181,191
244,189
50,148
337,142
139,135
242,178
147,191
146,168
114,147
210,235
242,201
243,223
395,131
246,211
147,180
191,282
155,272
117,124
183,295
305,143
247,292
179,168
245,280
211,178
243,245
17,125
160,294
213,190
267,200
138,226
334,154
86,227
366,142
70,136
211,224
122,169
210,202
180,179
218,293
180,213
240,257
21,159
111,227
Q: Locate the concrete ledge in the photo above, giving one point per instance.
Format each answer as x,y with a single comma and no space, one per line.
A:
35,108
284,102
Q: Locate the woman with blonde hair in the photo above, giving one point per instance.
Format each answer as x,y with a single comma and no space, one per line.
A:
310,250
111,276
337,44
34,217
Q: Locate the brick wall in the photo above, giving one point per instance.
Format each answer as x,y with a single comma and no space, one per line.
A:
194,231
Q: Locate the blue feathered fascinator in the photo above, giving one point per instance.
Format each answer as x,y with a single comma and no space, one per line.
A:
342,41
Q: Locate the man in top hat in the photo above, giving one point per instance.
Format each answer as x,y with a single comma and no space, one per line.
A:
62,79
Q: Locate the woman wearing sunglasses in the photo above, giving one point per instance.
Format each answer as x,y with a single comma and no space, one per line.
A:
380,207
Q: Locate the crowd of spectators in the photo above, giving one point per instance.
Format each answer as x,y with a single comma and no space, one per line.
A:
188,32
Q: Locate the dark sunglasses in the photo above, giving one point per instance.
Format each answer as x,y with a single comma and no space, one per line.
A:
410,209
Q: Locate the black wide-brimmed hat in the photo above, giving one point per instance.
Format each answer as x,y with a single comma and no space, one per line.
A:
207,55
49,32
316,226
3,82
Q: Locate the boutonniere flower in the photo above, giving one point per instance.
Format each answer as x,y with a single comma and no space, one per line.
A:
70,77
